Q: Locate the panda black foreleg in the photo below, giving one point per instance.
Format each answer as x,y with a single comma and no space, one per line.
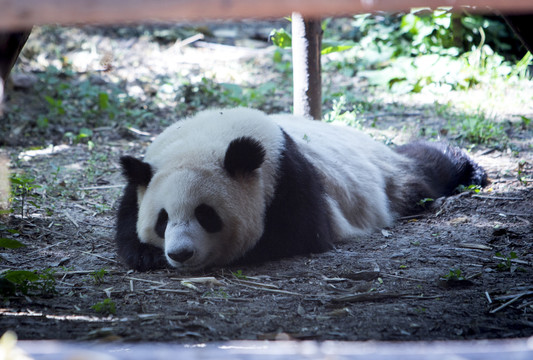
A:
135,254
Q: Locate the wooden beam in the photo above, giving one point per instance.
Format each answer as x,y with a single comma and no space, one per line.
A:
307,79
19,14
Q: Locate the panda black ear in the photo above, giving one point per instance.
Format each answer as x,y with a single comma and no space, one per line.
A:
243,156
136,171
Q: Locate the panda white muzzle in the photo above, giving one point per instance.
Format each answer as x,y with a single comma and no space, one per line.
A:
186,245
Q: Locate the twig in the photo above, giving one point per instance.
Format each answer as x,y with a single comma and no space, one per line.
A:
94,224
182,43
410,217
488,297
513,214
505,297
46,248
102,187
279,291
71,219
367,297
46,229
145,280
474,246
382,296
517,297
253,283
171,290
490,197
403,277
100,256
518,261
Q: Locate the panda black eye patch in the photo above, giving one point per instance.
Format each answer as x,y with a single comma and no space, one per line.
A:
208,218
161,224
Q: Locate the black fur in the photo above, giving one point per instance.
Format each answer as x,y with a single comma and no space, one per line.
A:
441,169
136,171
297,220
161,223
135,254
243,156
208,218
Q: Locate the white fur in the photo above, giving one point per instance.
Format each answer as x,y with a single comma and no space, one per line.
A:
188,162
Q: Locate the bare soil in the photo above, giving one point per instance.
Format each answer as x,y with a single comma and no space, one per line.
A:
396,284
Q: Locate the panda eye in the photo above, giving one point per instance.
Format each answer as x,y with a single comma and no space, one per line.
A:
208,218
161,224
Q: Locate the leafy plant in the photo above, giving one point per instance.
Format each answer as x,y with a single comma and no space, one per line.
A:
424,201
521,173
282,39
506,264
13,282
105,307
98,275
216,294
344,113
239,275
7,243
477,129
454,275
23,190
470,188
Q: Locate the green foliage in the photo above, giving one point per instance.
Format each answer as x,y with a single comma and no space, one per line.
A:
344,113
15,282
470,188
23,191
477,129
435,50
239,275
424,201
208,93
216,294
282,39
7,243
454,275
98,276
79,105
105,307
506,264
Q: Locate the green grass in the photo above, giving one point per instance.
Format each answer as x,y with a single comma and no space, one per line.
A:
476,128
105,307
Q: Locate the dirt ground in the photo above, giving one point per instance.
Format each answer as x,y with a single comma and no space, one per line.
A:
397,284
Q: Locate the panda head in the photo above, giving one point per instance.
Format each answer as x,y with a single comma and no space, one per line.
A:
203,214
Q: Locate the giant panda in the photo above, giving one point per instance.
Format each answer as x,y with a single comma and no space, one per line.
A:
233,186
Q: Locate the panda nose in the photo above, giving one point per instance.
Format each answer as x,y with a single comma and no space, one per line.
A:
181,255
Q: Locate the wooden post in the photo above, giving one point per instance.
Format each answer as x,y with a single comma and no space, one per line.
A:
307,80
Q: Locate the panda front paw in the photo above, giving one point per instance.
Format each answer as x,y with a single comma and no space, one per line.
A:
146,257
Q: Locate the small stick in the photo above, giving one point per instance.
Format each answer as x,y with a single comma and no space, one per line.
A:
46,248
404,277
171,290
518,261
497,197
506,304
71,219
146,280
272,290
488,297
102,187
101,257
253,283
